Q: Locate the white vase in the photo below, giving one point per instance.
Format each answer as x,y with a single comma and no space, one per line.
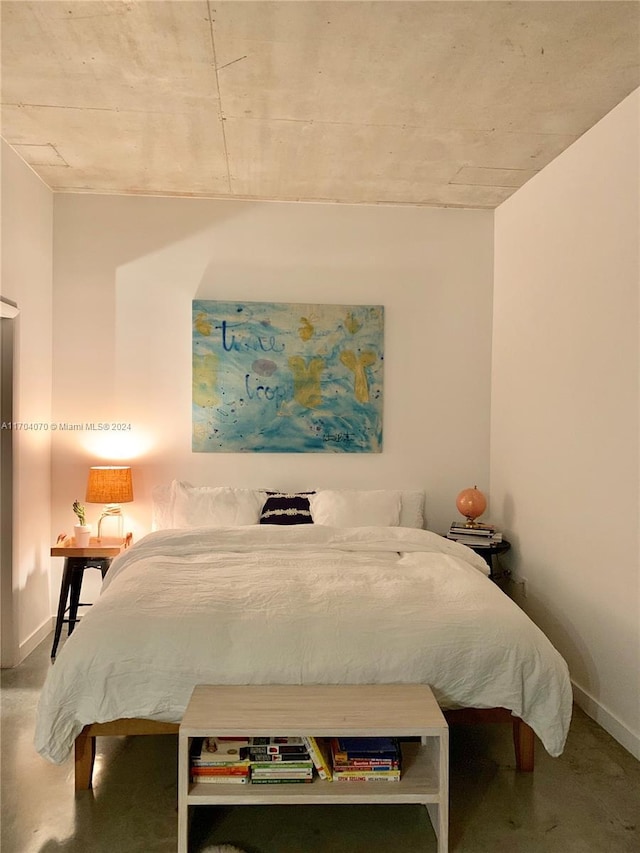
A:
82,535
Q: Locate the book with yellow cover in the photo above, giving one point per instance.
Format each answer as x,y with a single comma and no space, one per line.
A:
316,751
366,775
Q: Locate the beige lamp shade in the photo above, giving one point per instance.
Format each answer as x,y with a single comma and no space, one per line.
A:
109,484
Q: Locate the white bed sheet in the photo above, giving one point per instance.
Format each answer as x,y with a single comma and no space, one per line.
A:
300,604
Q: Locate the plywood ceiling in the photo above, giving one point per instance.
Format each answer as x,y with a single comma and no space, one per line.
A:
427,103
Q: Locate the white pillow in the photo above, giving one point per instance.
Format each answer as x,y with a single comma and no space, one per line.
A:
350,508
162,507
412,509
214,506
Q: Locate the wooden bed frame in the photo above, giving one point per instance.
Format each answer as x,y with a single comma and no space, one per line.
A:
85,743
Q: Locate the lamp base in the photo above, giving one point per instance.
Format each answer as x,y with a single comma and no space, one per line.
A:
111,511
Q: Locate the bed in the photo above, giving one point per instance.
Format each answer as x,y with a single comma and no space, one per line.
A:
254,600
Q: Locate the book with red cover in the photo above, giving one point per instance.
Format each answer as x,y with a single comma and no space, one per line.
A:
363,764
222,770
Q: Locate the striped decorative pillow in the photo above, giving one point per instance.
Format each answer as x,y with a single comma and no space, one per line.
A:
286,508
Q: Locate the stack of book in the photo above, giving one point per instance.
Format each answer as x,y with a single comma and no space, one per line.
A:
365,759
279,759
221,760
478,536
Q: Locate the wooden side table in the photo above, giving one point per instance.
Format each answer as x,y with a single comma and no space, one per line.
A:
323,710
97,555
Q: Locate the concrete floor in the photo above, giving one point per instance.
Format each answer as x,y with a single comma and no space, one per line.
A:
587,801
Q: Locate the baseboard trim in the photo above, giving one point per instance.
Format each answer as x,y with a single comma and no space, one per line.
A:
32,642
611,724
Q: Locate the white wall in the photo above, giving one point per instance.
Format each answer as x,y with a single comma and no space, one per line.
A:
565,409
27,233
127,269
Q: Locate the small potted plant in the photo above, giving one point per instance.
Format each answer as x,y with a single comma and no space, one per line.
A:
81,530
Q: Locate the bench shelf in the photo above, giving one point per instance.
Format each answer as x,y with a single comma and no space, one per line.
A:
397,710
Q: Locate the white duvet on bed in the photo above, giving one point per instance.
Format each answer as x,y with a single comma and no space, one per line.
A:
299,604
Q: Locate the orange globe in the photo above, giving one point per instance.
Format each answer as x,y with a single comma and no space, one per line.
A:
471,503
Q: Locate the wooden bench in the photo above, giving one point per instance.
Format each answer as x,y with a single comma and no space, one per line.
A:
322,710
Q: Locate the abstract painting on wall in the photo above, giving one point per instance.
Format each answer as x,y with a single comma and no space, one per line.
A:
287,377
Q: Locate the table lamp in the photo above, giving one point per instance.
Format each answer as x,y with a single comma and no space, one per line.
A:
110,485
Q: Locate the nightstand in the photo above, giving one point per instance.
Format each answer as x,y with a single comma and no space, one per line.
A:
489,554
97,555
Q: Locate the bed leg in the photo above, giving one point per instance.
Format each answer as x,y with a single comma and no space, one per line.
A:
85,753
524,744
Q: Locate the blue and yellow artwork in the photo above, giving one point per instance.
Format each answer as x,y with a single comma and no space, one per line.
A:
274,377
